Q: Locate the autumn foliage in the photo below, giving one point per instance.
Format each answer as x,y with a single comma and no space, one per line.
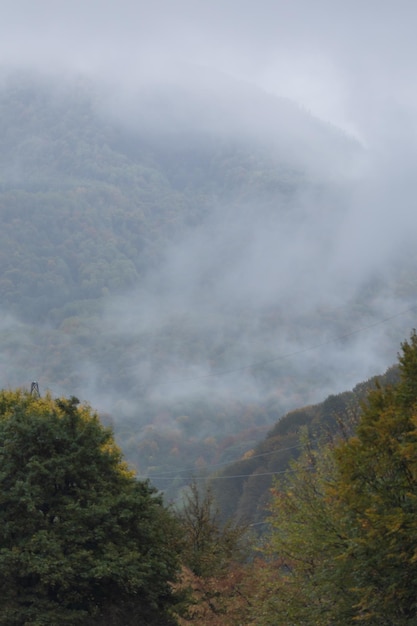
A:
344,519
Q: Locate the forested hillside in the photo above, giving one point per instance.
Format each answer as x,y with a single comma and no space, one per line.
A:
84,541
243,489
153,261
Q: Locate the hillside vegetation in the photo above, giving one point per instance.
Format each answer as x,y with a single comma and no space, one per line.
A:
153,264
84,542
243,489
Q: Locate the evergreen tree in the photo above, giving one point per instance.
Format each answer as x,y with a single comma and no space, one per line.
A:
81,540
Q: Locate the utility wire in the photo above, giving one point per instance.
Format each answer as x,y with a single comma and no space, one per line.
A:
289,354
285,471
232,461
166,475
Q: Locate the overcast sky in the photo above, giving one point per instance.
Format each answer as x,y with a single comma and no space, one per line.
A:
352,63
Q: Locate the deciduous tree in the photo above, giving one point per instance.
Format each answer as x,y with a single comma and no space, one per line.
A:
377,486
345,520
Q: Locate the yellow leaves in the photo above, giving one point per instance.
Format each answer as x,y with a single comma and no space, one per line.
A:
348,528
248,455
11,401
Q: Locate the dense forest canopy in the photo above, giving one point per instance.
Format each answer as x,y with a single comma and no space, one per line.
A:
180,266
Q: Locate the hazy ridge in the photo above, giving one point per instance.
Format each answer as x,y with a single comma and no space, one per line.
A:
187,263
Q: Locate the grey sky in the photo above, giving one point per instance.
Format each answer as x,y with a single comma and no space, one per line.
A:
352,63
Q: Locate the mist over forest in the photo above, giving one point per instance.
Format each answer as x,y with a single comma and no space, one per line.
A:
191,244
192,283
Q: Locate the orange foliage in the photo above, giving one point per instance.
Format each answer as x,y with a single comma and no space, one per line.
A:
220,601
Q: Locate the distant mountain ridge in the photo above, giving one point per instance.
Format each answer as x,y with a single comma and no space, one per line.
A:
159,254
130,192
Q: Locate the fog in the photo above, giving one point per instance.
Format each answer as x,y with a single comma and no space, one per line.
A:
352,64
306,283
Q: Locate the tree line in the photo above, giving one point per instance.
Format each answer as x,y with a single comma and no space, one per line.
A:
82,541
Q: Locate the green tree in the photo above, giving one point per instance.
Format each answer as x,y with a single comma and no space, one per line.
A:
344,536
304,583
209,546
377,487
81,540
214,578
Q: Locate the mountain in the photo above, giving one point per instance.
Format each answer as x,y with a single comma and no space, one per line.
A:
242,488
171,255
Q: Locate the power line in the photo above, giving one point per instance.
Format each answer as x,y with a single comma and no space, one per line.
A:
289,354
223,477
285,471
232,461
166,475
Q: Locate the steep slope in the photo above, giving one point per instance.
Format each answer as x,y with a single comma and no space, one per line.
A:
242,488
164,252
88,205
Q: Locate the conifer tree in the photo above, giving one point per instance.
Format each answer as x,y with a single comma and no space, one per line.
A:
81,540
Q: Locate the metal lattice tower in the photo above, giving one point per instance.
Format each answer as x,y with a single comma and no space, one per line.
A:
34,389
